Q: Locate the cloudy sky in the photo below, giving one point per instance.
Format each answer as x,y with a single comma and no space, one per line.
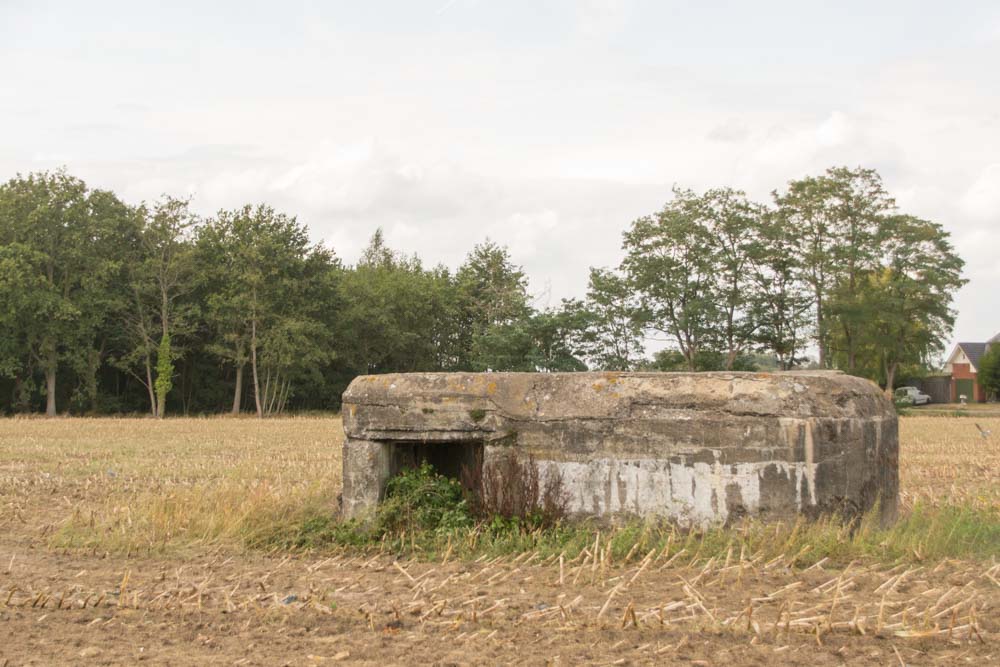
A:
546,125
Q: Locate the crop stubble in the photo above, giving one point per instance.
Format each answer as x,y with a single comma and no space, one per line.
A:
165,582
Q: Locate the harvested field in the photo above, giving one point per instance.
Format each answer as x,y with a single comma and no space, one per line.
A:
128,540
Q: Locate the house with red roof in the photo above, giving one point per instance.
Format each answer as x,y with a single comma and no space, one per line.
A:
962,365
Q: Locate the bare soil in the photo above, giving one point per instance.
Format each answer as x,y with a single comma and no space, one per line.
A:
214,607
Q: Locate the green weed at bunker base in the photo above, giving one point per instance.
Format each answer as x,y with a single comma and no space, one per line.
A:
430,521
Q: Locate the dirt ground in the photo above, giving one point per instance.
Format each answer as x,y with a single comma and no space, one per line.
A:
213,608
216,604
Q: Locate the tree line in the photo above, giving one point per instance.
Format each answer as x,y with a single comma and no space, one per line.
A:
109,307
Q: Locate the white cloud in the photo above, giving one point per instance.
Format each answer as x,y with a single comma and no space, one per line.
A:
548,130
982,200
729,131
836,130
527,233
599,19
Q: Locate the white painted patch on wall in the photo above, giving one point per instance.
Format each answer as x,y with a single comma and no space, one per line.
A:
691,493
797,430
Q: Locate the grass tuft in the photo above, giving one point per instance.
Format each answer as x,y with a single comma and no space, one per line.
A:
925,534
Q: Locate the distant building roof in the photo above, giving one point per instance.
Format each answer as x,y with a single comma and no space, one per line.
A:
974,351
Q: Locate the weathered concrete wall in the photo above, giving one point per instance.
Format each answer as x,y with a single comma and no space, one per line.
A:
694,447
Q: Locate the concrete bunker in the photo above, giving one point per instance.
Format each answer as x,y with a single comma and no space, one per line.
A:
696,448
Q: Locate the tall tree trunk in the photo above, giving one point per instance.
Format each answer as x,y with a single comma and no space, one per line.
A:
730,342
271,395
267,388
161,403
820,334
21,403
238,395
152,390
50,391
851,355
890,378
51,363
284,397
253,366
185,385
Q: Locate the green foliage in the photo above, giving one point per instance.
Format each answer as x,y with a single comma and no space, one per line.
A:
706,360
494,290
735,227
157,293
164,374
494,327
62,243
543,341
835,218
782,304
668,261
989,370
721,276
90,287
609,322
717,274
420,499
419,505
265,303
397,315
905,302
20,283
926,534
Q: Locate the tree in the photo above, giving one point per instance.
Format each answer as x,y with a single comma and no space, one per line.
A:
164,374
256,258
160,276
64,237
21,290
111,307
668,261
611,322
836,217
542,342
989,371
906,301
860,204
492,292
707,360
398,315
781,299
734,225
801,209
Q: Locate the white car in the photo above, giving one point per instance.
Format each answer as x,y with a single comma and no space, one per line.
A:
911,395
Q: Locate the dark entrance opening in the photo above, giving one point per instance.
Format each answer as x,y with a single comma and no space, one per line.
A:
447,458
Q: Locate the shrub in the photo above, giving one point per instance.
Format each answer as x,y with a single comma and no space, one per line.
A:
989,371
420,499
512,488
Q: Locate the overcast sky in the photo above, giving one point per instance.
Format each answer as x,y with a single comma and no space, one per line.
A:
547,126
